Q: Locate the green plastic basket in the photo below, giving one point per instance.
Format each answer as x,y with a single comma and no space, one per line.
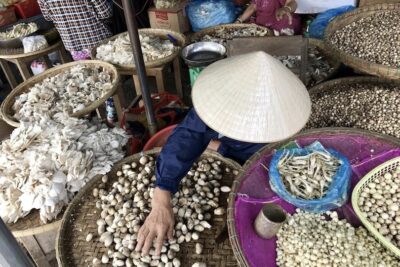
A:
378,171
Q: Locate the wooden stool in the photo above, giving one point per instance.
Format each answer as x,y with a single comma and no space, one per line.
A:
21,60
158,73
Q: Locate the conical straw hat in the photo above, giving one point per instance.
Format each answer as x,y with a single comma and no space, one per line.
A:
251,98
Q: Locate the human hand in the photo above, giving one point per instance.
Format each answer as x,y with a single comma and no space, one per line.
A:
158,225
282,12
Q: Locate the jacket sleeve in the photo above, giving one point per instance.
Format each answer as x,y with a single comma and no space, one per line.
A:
103,8
184,146
45,10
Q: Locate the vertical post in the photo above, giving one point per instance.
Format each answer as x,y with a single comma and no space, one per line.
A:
11,254
130,17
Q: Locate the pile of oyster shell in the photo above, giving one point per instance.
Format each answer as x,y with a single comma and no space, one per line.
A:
68,92
125,202
119,51
43,164
372,107
374,38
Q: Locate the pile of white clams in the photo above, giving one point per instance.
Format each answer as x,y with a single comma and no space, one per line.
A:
125,204
42,165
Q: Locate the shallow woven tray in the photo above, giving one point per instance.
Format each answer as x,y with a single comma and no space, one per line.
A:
81,216
355,62
372,175
233,236
149,64
334,62
6,107
211,30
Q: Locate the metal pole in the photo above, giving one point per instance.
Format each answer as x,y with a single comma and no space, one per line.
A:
11,254
130,18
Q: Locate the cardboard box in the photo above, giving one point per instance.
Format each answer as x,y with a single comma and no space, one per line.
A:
7,16
173,19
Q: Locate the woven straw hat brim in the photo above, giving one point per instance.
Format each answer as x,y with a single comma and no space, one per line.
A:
251,98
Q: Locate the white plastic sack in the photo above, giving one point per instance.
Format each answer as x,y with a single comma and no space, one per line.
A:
319,6
34,43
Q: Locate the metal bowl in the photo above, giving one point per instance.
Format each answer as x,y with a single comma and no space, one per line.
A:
15,42
202,54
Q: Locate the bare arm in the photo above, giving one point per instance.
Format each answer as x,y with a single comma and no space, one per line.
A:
291,4
250,10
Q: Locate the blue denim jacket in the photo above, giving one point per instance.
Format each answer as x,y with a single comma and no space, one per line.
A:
187,143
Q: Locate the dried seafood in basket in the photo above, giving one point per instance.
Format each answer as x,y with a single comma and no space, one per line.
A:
19,30
379,201
43,165
69,92
119,51
369,106
166,3
223,34
315,240
125,202
308,176
374,38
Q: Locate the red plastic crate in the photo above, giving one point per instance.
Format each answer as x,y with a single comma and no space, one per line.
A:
27,8
7,16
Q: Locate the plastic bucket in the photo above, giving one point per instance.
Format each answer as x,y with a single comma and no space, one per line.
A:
160,138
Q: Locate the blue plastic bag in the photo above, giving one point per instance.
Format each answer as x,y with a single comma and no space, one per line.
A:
338,191
203,14
319,24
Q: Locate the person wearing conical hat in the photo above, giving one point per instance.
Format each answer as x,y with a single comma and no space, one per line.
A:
244,102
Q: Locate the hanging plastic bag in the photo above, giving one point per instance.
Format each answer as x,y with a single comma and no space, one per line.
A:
337,193
203,14
34,43
319,24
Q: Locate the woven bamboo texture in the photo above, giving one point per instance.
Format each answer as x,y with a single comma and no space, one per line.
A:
233,235
6,107
334,62
198,35
149,64
355,62
81,216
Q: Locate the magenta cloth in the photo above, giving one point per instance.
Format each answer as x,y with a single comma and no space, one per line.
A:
80,55
365,153
266,16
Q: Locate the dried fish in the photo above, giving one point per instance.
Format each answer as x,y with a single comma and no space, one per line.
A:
309,176
42,165
68,92
119,51
19,30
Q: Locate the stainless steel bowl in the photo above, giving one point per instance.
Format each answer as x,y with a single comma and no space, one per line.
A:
15,42
202,54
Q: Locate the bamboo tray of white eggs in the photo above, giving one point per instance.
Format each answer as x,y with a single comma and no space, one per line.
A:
100,226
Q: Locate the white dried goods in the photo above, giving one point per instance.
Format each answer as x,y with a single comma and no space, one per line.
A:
368,106
222,35
19,30
128,202
199,248
308,176
43,165
68,92
379,201
374,38
312,240
166,3
119,51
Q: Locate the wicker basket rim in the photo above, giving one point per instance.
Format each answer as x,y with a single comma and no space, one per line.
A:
60,251
150,64
353,61
27,85
354,201
233,236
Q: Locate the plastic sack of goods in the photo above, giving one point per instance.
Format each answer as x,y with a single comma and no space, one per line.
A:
207,13
313,178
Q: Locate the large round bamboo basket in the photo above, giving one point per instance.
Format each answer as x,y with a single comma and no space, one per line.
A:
6,107
233,235
223,27
334,62
81,216
149,64
355,62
